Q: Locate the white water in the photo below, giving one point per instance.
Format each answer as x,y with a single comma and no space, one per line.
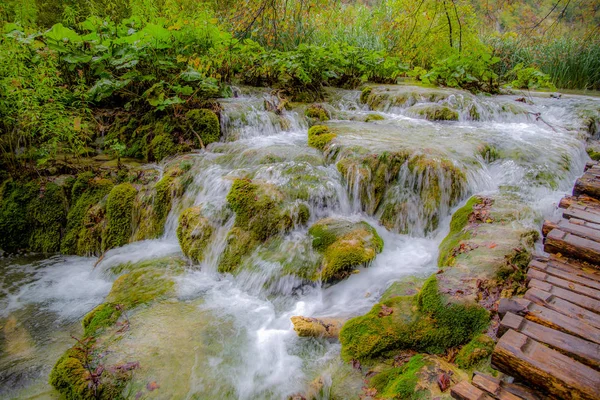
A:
262,356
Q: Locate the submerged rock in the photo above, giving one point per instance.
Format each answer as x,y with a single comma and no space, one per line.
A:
345,245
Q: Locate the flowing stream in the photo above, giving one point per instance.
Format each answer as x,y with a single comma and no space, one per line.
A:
230,336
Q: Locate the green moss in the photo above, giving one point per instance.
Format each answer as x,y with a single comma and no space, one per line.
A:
374,117
317,112
194,233
460,220
119,212
48,213
364,95
15,223
594,155
104,315
438,113
70,377
478,349
345,245
428,324
319,136
488,152
160,147
239,244
258,209
86,216
140,286
205,124
400,382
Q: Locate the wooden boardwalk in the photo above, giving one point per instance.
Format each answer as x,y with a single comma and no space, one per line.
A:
550,337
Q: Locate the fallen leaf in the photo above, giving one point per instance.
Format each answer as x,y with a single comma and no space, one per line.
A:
152,386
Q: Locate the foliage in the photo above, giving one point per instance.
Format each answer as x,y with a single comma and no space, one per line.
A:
530,78
473,72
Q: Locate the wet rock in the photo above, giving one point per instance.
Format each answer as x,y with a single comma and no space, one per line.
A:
345,245
434,112
317,327
194,233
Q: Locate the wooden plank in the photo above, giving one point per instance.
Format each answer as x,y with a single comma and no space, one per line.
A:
568,201
562,306
583,301
590,164
570,245
533,273
589,269
588,185
574,212
465,391
560,273
493,388
584,223
518,390
561,376
587,209
553,319
575,268
582,350
576,229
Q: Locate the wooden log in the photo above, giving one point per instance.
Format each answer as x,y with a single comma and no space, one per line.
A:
521,391
589,185
533,273
568,276
555,320
465,391
568,244
589,209
493,388
583,214
583,301
562,306
582,350
514,306
522,357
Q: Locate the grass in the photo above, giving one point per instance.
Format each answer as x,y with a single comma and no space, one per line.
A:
571,63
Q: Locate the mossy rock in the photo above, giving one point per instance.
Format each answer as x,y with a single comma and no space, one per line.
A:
161,146
194,233
317,113
320,136
460,220
416,379
345,245
474,352
119,213
140,286
15,224
437,113
70,378
239,244
49,216
104,315
374,117
425,323
85,220
259,208
365,93
594,155
203,123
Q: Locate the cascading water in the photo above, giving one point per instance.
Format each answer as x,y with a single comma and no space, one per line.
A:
230,336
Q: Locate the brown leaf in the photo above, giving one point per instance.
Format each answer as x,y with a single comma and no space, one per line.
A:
385,311
151,386
443,381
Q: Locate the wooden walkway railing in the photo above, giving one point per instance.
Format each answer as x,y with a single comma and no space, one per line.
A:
550,338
